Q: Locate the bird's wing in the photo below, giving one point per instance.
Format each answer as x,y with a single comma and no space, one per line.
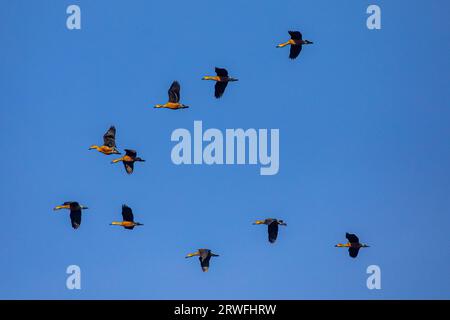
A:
273,231
221,72
295,51
131,153
174,92
129,166
219,88
127,213
204,262
75,218
353,252
109,138
296,35
352,238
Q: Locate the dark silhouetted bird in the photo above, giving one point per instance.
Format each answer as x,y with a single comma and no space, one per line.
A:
127,219
353,245
204,255
272,227
128,160
221,79
75,212
296,42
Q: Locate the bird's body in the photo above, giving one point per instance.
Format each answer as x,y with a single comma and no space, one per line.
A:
353,245
204,256
127,219
221,79
128,160
75,212
296,42
174,98
272,227
109,143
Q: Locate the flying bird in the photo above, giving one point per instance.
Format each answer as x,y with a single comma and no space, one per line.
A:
75,212
128,160
174,98
353,245
296,42
204,255
272,227
109,143
221,79
127,219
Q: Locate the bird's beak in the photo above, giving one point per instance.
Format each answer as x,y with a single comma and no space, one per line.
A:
258,222
60,207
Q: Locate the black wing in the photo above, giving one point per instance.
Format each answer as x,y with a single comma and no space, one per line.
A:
127,213
296,35
352,238
353,252
129,166
174,92
75,218
221,72
131,153
219,89
204,262
109,138
295,51
273,231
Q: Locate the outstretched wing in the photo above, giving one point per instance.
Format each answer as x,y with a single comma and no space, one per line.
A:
219,89
204,262
273,231
353,252
127,213
75,218
174,92
131,153
352,238
109,138
295,51
296,35
221,72
129,166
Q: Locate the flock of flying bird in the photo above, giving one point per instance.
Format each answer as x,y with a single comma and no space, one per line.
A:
109,147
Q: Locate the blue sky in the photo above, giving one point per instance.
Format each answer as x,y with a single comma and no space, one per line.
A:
364,147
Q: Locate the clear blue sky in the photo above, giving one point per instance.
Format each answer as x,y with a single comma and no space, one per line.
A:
364,128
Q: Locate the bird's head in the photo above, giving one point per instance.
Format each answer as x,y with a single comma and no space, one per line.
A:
259,222
208,78
93,147
158,106
194,254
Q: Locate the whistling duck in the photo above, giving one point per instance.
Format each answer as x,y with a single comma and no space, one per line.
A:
128,160
221,79
272,227
174,98
128,219
204,255
75,212
296,42
353,245
109,143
